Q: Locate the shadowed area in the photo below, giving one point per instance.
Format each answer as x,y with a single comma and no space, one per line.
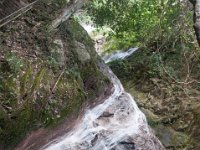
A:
10,9
7,7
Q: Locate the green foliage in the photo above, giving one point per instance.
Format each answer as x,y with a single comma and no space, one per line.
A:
163,27
160,24
83,18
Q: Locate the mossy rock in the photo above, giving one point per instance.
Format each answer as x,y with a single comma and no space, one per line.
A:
41,89
170,138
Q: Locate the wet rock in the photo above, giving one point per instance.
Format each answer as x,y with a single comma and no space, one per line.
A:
107,114
128,145
93,142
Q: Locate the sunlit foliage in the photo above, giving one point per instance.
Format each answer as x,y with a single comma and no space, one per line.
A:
156,23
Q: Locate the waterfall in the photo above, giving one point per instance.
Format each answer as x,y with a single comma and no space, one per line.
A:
119,55
116,124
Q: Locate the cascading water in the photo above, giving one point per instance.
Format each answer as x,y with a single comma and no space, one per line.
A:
119,55
116,124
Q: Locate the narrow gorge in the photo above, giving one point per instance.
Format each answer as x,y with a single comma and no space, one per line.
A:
58,93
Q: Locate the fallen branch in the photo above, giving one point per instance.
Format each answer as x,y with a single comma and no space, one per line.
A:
59,77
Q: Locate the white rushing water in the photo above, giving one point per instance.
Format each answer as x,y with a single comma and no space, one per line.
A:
119,55
116,124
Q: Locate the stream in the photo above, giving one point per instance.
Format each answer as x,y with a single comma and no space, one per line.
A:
116,124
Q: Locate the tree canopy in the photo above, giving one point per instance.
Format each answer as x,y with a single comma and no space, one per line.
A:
159,23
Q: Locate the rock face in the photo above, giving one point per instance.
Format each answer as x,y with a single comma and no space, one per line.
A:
44,78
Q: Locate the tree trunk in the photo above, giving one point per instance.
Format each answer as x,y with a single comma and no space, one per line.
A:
196,18
69,10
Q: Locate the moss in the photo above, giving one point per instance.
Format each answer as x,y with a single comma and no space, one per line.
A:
78,32
24,81
17,127
36,89
94,81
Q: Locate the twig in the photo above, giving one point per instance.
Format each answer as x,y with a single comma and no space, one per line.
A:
54,86
4,106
